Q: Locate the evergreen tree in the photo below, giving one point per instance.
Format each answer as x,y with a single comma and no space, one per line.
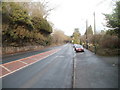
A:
113,20
76,36
89,30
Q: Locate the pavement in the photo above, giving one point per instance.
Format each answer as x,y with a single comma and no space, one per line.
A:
92,71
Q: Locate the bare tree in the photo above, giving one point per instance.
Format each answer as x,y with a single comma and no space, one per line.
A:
37,9
59,37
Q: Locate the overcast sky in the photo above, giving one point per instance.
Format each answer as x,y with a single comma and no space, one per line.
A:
70,14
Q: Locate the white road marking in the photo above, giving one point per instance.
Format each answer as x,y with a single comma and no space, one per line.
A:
5,68
61,56
23,62
29,64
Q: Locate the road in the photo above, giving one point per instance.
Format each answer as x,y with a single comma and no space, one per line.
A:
93,71
13,57
52,72
62,69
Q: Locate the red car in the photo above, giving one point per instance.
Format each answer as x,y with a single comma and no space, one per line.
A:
79,48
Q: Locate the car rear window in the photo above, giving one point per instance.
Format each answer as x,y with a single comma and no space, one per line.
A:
78,46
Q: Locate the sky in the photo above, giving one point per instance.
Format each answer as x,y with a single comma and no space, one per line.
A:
71,14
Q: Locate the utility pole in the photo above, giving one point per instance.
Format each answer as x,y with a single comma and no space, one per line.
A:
94,33
94,24
86,34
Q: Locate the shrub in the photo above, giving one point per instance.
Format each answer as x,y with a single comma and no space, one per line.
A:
108,41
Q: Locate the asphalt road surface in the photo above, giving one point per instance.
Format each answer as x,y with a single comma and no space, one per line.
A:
93,71
13,57
56,71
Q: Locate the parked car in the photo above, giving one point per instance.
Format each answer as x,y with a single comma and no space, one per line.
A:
79,48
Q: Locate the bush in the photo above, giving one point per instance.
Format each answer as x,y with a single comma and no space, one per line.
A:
108,41
19,28
42,25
